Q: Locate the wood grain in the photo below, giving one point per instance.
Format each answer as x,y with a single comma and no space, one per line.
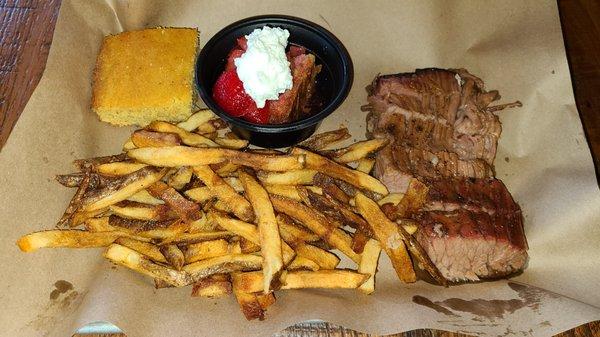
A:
27,26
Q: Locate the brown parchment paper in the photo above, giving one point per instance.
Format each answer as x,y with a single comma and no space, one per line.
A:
515,46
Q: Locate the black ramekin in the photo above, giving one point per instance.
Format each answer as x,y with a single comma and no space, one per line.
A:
336,76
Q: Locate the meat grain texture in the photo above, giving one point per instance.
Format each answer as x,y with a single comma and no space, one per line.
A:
444,132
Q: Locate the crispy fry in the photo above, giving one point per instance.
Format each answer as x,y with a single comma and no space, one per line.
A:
392,198
292,233
119,168
91,163
235,184
181,178
298,177
302,263
338,211
202,225
335,170
323,140
225,168
187,138
148,228
232,143
325,259
98,225
212,126
80,217
365,165
270,242
145,198
247,246
71,179
234,202
122,189
325,279
205,250
131,259
387,233
359,150
189,156
133,210
145,138
188,211
249,304
213,286
189,238
317,223
66,238
198,118
368,265
128,145
144,248
247,231
200,194
174,255
75,203
359,240
223,264
330,188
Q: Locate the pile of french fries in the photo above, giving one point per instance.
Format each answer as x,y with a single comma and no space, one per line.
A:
191,205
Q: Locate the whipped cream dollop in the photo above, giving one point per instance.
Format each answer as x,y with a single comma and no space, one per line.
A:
263,68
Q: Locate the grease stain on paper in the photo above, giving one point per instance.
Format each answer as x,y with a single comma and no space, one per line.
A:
529,297
63,301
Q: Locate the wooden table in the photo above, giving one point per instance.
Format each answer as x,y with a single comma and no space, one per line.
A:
26,28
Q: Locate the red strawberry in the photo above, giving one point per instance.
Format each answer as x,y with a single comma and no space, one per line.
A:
242,43
233,54
256,115
229,94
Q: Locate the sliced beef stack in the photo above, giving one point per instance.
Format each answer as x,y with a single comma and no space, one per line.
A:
444,132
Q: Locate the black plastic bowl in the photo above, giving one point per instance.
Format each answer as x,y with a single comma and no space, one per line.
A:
333,83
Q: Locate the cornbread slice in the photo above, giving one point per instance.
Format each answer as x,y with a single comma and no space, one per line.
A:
145,75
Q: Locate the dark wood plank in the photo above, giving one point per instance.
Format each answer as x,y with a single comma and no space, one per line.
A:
26,29
581,30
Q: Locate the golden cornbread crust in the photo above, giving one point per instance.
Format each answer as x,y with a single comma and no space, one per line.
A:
145,75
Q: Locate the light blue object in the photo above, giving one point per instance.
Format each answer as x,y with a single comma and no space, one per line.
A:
99,327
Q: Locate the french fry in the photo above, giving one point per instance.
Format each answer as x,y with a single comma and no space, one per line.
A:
145,138
189,156
198,118
145,248
234,202
368,265
80,217
187,138
293,234
247,246
128,145
225,168
302,263
149,228
317,223
323,140
249,305
181,178
335,170
270,242
212,126
392,198
359,240
288,191
247,231
223,264
388,234
90,163
323,258
205,250
119,168
202,225
98,225
365,165
139,211
145,198
213,286
66,238
188,211
232,143
359,150
189,238
338,211
131,259
200,194
75,203
298,177
127,186
173,255
234,183
323,279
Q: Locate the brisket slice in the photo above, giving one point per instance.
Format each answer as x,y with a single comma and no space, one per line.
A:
443,132
472,229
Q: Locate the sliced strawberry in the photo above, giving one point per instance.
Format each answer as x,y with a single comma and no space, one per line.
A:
296,50
242,43
233,54
256,115
229,94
